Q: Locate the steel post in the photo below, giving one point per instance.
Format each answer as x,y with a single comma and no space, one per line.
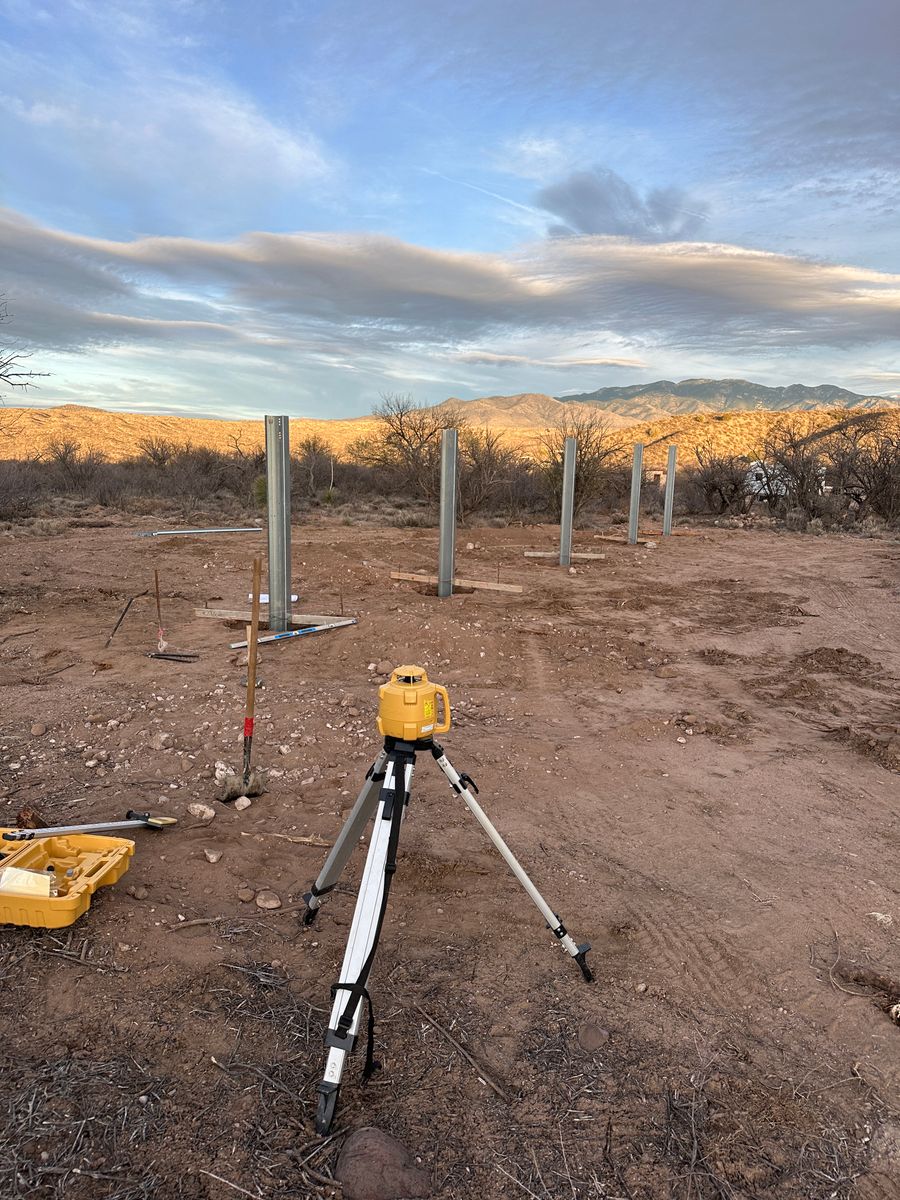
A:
278,496
670,491
634,513
566,520
447,548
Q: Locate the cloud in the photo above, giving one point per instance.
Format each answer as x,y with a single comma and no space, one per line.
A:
601,202
317,315
492,358
374,290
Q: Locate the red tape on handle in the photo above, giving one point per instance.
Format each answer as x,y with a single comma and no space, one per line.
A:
248,727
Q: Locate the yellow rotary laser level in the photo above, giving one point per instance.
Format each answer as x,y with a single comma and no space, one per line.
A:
407,706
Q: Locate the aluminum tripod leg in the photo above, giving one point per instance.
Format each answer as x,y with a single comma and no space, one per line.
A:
347,839
364,931
461,785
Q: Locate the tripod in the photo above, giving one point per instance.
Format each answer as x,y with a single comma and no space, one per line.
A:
386,793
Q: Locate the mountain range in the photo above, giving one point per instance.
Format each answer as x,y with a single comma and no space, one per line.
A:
652,401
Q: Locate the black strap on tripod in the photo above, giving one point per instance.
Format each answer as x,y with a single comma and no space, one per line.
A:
340,1036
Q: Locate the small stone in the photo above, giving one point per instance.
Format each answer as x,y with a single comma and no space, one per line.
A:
38,729
138,891
682,741
592,1037
212,856
572,571
161,741
246,894
94,718
374,1166
266,898
642,987
667,671
202,812
242,803
371,666
470,545
91,762
385,667
284,749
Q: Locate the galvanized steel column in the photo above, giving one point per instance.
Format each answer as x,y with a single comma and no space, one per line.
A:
568,502
670,491
637,471
447,549
278,496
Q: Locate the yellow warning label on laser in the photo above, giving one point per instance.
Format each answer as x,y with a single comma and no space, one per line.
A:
428,707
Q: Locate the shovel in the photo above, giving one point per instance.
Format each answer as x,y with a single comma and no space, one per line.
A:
250,782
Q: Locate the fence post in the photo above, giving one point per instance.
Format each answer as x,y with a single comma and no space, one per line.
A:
670,491
278,498
447,544
637,471
568,502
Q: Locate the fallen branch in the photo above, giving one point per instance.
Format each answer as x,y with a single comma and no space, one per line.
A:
270,912
494,1086
234,1186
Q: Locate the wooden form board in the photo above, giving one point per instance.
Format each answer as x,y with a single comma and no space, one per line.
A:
621,541
478,584
242,614
582,554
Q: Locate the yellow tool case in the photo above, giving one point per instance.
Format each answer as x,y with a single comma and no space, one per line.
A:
80,864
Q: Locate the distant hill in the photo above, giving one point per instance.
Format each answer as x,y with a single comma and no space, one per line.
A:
528,410
28,432
653,401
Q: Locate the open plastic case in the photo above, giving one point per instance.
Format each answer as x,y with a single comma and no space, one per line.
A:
80,863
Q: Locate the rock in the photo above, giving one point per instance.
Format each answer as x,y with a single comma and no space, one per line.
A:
283,749
38,729
592,1037
91,762
667,671
161,741
138,891
374,1166
202,812
212,856
572,571
266,898
470,545
242,803
682,741
246,894
94,718
642,987
385,667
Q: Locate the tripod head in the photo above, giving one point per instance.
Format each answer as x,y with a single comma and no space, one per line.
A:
407,706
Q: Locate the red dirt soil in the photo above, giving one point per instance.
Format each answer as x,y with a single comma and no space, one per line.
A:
693,749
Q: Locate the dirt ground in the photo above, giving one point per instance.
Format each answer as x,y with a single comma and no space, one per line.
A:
690,748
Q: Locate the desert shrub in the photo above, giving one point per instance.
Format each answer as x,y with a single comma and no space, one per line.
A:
724,481
21,489
597,447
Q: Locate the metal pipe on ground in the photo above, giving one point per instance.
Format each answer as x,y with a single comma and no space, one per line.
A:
447,541
567,516
278,498
637,472
669,503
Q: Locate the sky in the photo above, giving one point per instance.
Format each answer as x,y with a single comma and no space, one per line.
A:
222,209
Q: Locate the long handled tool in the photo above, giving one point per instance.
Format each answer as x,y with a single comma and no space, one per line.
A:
294,633
133,820
161,643
249,782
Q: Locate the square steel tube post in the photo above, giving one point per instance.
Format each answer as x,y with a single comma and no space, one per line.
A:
278,498
447,546
670,491
637,472
566,520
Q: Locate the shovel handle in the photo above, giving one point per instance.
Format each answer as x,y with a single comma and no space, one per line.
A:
253,643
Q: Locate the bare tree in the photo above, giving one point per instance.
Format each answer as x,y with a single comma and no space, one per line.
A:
597,447
724,481
485,465
315,460
864,465
408,442
12,361
792,461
